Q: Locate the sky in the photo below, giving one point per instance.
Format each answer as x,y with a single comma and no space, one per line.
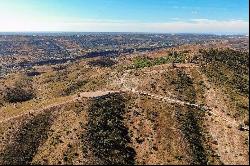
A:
160,16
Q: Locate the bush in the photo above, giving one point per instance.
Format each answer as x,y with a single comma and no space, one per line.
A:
142,63
102,62
175,57
73,87
20,92
161,60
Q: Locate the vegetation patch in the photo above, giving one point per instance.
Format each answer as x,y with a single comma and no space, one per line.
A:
184,87
142,62
190,120
33,73
21,91
26,141
73,87
102,62
107,133
228,69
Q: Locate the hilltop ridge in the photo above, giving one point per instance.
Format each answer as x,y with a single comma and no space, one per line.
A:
180,105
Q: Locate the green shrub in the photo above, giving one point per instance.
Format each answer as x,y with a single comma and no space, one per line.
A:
142,63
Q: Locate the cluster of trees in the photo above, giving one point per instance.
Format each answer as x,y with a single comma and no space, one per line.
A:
174,57
102,62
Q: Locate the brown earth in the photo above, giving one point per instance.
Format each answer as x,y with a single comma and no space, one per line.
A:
162,114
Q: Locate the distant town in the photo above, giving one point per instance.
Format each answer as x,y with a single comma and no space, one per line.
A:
26,50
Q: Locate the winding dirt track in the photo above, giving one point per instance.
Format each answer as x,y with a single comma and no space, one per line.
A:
125,88
97,94
75,98
229,149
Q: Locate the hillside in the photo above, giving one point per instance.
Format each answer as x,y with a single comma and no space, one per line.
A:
168,107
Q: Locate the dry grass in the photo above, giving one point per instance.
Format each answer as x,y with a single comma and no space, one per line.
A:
159,132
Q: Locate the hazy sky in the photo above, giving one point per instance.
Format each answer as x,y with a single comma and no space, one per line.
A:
170,16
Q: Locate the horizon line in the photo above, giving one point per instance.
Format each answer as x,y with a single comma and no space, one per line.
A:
135,32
